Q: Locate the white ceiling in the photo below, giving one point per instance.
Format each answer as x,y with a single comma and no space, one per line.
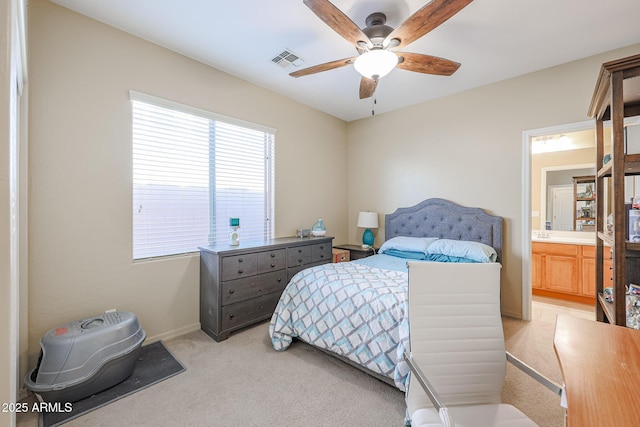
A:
493,39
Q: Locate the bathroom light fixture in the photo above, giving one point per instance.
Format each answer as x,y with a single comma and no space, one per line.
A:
376,63
367,220
551,143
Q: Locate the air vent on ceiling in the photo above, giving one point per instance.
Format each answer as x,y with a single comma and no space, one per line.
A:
287,58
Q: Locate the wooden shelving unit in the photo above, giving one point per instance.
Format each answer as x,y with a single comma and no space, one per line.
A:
583,202
616,96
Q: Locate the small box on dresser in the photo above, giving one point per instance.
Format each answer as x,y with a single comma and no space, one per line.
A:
241,285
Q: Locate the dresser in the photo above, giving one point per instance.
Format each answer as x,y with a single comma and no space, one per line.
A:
241,285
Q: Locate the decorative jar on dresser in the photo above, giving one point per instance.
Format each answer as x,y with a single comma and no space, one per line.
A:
241,285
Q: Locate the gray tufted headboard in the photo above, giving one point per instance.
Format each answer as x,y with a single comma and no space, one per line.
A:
446,220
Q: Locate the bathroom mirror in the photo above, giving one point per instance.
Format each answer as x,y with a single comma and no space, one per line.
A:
555,161
561,195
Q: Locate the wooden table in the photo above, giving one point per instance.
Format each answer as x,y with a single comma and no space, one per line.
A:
600,364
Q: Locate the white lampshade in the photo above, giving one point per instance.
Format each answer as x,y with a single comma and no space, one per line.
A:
376,63
368,220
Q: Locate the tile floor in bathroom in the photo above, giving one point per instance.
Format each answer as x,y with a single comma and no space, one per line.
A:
546,309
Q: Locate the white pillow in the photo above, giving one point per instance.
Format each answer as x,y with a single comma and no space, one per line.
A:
475,251
404,243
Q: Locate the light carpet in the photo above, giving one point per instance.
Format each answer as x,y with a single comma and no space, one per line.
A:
242,381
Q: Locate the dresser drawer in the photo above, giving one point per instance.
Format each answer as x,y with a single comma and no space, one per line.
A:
321,252
271,261
250,287
235,267
250,311
298,255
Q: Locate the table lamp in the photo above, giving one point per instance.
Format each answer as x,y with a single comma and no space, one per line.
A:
367,220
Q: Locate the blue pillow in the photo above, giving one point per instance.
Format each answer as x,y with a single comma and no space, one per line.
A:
406,254
475,251
404,243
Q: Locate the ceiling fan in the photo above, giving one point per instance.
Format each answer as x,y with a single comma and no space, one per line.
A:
377,43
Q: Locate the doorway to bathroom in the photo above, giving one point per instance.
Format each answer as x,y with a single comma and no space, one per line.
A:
552,157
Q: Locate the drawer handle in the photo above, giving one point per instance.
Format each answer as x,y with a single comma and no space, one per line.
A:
273,255
259,290
299,259
231,291
239,259
272,265
231,316
321,256
279,280
239,271
299,251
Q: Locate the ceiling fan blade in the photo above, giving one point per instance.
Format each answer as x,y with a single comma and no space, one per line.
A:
424,20
426,64
338,21
367,87
323,67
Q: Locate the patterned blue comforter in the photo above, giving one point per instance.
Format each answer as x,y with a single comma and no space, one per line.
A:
354,310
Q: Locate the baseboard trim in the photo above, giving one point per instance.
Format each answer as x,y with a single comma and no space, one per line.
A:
582,299
174,333
513,314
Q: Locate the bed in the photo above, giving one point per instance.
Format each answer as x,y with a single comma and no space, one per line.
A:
357,311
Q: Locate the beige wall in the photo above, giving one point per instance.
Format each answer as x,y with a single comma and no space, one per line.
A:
80,173
468,148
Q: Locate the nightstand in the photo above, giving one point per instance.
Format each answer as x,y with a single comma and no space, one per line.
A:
357,251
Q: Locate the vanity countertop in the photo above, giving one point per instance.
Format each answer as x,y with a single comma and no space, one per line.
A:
564,237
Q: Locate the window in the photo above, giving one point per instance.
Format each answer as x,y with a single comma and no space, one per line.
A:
192,171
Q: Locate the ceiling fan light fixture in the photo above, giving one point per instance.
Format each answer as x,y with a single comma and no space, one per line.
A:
376,63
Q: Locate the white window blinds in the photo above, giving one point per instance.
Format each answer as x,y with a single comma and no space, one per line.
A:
192,171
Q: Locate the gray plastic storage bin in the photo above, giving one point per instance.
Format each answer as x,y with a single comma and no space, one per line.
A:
85,357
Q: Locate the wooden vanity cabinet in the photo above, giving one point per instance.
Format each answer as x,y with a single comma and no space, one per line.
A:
564,271
557,267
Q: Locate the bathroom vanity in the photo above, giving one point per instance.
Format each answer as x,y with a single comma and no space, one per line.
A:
563,266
